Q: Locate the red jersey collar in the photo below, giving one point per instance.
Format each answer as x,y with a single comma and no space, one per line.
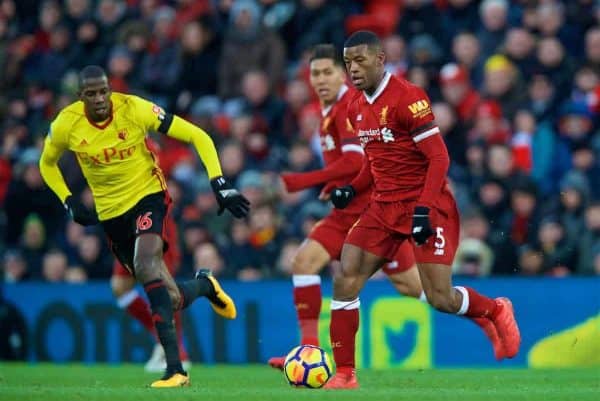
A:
382,85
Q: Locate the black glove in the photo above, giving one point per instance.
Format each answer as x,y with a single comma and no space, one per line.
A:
79,212
229,198
421,229
342,196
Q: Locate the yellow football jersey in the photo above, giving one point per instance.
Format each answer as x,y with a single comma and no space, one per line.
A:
114,158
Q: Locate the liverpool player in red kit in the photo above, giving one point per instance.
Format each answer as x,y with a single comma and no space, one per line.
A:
343,157
406,161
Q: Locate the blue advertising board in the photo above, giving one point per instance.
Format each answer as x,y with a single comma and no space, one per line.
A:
559,321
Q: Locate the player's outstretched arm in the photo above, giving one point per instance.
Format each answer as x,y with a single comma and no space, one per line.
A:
54,179
51,172
228,197
346,166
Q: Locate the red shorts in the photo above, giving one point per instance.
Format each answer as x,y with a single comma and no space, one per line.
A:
384,226
172,256
331,233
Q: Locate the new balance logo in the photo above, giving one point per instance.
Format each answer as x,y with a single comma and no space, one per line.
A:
359,117
387,135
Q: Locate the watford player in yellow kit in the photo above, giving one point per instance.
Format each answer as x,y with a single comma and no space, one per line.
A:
107,132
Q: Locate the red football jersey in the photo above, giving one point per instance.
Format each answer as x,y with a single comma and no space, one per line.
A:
389,125
338,136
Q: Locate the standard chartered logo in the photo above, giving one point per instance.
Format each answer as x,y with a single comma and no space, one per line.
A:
394,332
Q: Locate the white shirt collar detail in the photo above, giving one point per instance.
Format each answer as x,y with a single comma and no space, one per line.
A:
382,85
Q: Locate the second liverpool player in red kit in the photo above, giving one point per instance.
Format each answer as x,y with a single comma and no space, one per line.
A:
406,162
343,157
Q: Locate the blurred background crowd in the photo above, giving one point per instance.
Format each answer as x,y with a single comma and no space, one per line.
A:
515,87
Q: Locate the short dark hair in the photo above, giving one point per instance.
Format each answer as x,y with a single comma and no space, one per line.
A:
326,51
363,38
90,72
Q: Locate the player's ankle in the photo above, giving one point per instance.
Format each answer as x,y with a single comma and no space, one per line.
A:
346,370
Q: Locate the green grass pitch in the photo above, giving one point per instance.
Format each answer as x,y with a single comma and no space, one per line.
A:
45,382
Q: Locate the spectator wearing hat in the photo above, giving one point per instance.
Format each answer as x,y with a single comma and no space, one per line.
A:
575,127
573,200
14,266
494,23
33,244
458,92
502,83
474,258
489,124
249,46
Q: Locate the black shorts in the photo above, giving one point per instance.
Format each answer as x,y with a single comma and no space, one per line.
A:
149,215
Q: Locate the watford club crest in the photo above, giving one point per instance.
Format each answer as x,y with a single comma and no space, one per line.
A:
383,115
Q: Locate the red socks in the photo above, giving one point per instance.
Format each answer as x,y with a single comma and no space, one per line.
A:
343,328
476,305
307,299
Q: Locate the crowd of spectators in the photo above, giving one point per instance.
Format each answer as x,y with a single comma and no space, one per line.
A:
515,88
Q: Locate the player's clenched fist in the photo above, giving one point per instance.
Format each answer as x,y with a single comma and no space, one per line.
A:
229,198
342,196
79,212
421,229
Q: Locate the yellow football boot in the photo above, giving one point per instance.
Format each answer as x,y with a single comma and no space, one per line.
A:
221,303
176,380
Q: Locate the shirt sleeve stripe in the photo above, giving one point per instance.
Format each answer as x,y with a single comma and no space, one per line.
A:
422,128
426,134
353,148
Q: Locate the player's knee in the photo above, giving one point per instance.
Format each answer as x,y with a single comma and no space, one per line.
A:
304,264
120,286
147,266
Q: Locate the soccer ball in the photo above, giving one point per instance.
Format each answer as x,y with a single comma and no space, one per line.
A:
307,366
